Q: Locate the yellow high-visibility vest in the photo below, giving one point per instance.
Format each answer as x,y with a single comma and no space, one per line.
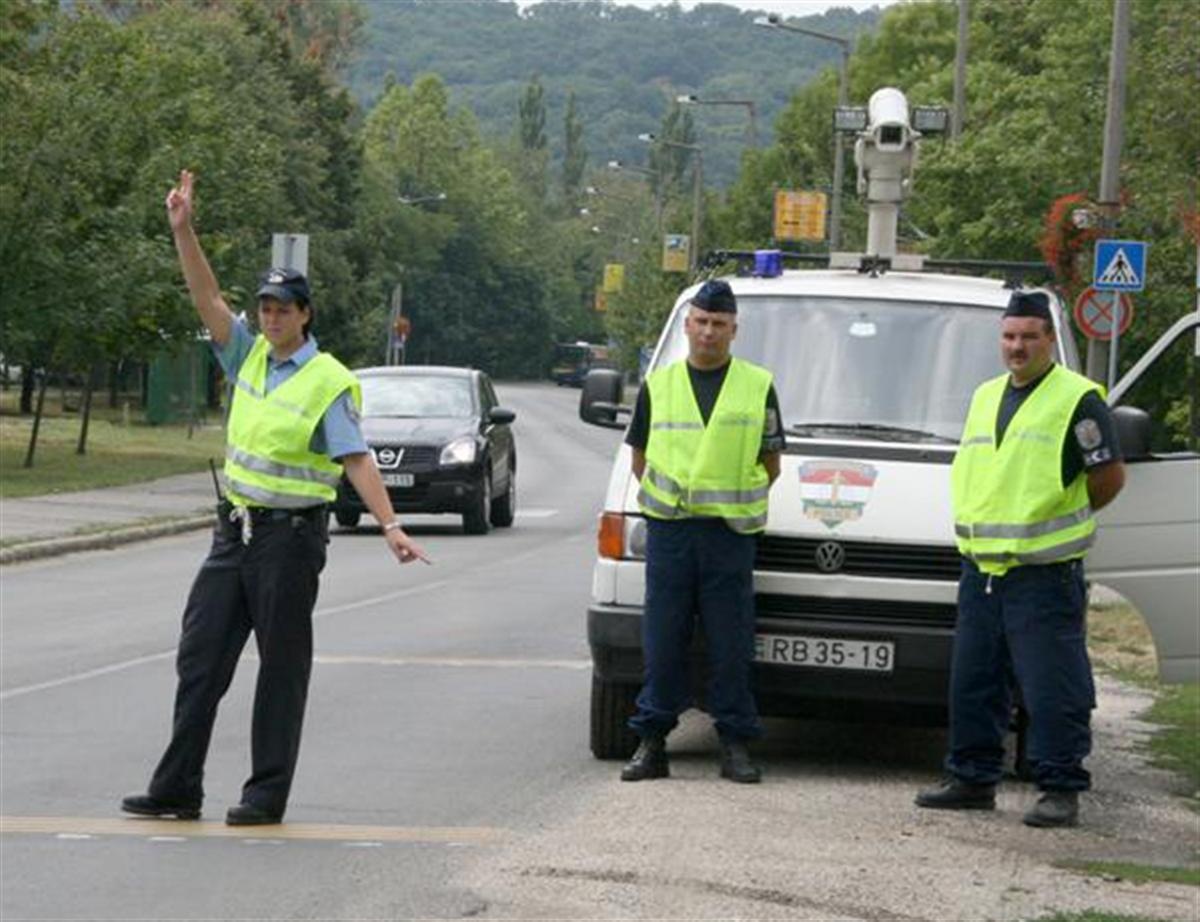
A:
268,461
693,469
1010,504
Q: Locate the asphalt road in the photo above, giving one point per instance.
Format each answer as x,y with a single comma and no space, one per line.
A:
445,771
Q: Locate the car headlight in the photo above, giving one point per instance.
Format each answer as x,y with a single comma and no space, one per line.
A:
460,451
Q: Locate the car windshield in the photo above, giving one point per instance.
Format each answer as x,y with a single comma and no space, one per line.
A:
868,368
416,395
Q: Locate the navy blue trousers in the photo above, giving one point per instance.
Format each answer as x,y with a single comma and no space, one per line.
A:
698,568
267,588
1029,625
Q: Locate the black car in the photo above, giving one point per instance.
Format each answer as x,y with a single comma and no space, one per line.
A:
442,443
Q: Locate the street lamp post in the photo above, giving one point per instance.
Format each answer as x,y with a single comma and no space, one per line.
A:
398,324
653,176
697,191
693,100
775,21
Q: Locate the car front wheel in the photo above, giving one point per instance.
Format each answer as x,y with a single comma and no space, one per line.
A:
475,519
504,507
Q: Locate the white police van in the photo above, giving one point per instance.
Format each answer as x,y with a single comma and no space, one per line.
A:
875,360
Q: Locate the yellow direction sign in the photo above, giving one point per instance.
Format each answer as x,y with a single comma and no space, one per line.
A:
676,252
614,277
799,215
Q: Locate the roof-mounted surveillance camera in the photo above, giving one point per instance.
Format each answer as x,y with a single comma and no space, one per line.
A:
888,119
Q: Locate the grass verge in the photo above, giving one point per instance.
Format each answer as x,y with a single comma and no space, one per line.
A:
1134,873
1177,745
1094,915
1120,644
116,454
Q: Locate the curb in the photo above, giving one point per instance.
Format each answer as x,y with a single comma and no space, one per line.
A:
52,547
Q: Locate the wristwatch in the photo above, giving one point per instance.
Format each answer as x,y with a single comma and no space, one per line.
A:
393,525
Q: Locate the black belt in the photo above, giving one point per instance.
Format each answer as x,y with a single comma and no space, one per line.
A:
259,514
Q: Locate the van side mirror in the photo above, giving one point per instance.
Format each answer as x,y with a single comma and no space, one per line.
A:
1133,432
600,400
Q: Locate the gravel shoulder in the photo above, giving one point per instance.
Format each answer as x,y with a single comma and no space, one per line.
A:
832,834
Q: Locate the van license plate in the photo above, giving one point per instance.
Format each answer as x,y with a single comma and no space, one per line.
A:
397,480
825,652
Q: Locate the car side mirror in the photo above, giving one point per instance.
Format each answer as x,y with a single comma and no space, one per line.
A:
1133,432
501,416
600,400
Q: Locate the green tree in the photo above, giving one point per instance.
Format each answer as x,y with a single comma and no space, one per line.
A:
574,154
531,137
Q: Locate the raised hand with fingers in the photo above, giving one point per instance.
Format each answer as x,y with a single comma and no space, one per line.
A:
179,202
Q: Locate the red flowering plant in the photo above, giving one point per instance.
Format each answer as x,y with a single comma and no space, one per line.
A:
1065,241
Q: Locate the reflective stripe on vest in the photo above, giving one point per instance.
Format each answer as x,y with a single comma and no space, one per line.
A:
714,470
1010,505
268,461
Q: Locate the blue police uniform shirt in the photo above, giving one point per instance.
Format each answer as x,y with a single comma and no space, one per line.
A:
339,433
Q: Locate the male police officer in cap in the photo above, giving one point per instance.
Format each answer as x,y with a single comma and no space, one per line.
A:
706,438
293,426
1038,456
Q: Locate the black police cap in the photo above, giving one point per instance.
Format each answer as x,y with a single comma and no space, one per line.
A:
1029,304
716,297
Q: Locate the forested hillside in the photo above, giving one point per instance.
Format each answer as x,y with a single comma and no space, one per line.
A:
625,65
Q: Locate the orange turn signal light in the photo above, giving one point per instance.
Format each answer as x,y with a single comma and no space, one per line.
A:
611,537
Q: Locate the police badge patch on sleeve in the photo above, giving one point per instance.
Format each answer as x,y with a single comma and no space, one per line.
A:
1088,434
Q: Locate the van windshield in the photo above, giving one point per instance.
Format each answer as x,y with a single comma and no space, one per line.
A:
889,370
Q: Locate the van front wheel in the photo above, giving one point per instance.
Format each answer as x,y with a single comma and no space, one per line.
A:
613,703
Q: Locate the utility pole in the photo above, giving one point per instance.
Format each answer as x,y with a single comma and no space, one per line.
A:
1110,170
776,21
960,71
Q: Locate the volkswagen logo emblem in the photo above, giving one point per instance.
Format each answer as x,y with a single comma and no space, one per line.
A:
830,556
388,457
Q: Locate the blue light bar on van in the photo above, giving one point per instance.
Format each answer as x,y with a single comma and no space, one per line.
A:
768,264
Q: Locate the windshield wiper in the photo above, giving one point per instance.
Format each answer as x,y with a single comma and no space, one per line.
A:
880,430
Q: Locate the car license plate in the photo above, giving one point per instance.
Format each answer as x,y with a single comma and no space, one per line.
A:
825,652
397,480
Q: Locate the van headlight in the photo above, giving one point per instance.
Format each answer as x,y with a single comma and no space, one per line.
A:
460,451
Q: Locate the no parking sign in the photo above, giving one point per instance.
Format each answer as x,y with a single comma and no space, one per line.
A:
1095,311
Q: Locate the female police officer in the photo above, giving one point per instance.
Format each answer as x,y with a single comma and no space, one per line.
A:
292,427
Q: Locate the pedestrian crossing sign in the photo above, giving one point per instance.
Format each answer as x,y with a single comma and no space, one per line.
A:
1120,265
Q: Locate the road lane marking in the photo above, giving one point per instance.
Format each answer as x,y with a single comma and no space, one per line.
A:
168,654
536,513
76,827
84,676
489,662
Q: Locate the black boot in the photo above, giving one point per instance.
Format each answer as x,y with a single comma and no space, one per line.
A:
952,794
1054,808
650,761
147,805
736,764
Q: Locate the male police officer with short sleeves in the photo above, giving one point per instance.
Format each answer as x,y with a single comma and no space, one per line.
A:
293,425
1038,456
706,439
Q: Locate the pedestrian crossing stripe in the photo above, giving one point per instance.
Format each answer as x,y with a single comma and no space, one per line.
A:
1119,272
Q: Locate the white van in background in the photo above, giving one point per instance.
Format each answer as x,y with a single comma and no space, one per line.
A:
875,361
